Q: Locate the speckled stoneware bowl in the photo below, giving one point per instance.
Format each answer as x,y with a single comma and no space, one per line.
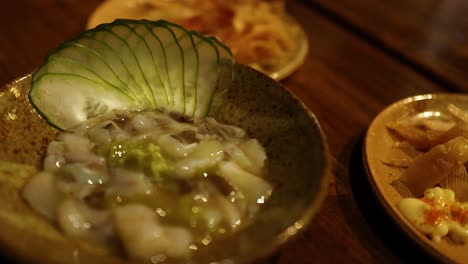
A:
298,167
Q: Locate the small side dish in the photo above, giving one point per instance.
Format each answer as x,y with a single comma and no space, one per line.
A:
139,164
439,143
162,149
419,172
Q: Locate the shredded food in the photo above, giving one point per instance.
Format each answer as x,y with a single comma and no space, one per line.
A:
257,31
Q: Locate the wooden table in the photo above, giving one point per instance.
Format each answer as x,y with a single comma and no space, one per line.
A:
363,56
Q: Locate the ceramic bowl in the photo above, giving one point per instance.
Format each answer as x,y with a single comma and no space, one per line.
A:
298,165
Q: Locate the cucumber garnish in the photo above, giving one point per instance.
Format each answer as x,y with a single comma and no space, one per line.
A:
131,65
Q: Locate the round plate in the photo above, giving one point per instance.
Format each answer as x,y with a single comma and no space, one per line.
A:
295,59
110,10
378,148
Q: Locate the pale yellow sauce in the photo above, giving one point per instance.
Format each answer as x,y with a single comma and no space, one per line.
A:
437,214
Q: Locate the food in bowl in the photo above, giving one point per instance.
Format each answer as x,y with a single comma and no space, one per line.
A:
297,162
139,165
157,183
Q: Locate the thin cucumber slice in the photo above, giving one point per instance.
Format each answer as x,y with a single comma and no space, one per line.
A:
190,53
206,80
80,98
63,65
115,67
149,61
137,44
225,76
155,42
175,67
226,71
131,64
117,37
75,57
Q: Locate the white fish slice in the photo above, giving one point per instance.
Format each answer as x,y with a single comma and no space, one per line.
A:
457,112
458,183
434,166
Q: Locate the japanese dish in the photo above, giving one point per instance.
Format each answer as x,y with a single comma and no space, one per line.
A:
185,183
440,146
425,168
140,151
260,33
184,179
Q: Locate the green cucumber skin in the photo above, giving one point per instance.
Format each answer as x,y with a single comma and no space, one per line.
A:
191,57
160,57
85,72
102,54
206,81
107,52
119,45
225,76
134,64
134,43
176,70
158,87
63,105
117,83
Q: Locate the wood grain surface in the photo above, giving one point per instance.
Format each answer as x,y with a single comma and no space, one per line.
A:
429,34
346,80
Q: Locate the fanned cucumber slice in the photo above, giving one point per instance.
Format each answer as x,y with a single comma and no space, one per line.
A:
80,58
190,72
144,66
131,65
176,71
115,64
206,81
105,62
60,65
149,61
160,36
108,64
77,96
225,76
121,39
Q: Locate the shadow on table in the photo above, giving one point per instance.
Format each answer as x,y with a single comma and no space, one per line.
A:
7,260
378,219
